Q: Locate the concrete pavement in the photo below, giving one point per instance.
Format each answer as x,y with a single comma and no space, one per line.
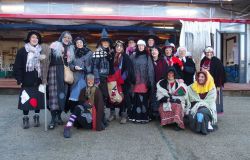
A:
125,142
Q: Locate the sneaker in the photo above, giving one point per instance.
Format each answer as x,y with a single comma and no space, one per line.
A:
123,120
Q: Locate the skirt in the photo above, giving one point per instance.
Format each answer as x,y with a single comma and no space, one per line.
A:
31,99
174,116
58,90
139,111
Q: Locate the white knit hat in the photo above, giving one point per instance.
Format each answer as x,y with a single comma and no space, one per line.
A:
142,42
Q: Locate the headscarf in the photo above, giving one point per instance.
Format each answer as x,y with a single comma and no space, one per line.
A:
207,86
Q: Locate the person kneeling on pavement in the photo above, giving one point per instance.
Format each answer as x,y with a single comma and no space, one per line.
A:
201,110
89,113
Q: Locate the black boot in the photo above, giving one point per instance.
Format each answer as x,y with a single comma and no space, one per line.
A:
26,123
52,123
66,132
36,120
59,118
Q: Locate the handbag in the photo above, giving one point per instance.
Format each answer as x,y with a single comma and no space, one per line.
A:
68,74
114,81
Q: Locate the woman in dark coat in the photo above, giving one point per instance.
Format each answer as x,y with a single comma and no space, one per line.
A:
215,67
102,63
27,72
89,113
81,66
160,68
171,60
123,70
62,53
142,90
188,64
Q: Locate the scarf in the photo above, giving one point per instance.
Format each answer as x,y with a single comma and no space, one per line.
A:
90,93
33,61
81,52
208,86
61,50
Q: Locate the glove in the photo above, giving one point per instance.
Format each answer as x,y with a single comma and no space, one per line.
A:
164,100
124,75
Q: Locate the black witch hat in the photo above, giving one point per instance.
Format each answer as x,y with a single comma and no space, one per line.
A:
153,36
104,37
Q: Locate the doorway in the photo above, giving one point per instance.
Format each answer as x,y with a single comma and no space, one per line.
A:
231,56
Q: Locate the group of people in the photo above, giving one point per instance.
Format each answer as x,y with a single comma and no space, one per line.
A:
143,81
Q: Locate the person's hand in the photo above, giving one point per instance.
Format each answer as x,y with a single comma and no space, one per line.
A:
218,88
42,57
78,68
182,68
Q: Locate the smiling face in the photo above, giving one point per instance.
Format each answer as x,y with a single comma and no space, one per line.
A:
105,44
79,44
66,39
131,43
141,47
168,51
209,55
201,78
151,42
119,48
171,75
90,81
182,52
33,40
155,53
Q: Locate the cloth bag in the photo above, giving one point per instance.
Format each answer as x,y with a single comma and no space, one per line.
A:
68,74
114,87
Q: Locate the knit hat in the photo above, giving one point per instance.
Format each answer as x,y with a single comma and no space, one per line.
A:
39,37
141,42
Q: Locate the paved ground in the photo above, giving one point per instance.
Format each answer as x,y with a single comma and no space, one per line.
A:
126,142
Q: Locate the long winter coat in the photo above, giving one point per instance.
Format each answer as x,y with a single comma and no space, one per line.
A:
28,79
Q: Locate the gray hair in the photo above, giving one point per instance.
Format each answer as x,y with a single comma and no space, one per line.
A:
179,48
90,76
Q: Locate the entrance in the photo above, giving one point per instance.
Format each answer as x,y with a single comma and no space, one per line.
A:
231,56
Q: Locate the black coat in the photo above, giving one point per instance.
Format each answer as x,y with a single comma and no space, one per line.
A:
127,66
188,71
28,79
217,71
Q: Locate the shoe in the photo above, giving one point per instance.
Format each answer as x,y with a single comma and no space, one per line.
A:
59,120
26,123
66,132
36,120
52,124
123,120
111,116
